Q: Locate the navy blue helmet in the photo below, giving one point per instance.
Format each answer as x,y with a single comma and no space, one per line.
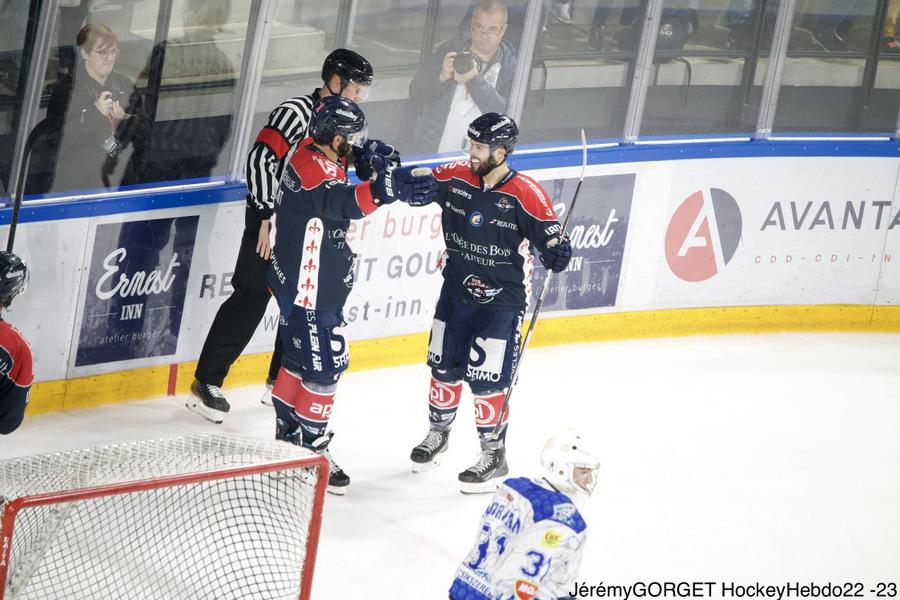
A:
349,65
495,130
336,115
13,277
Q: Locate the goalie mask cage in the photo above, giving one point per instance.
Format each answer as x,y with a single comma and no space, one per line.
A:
197,517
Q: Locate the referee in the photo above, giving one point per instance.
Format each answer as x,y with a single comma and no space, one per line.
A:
344,73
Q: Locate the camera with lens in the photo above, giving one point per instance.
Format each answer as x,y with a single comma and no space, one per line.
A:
464,61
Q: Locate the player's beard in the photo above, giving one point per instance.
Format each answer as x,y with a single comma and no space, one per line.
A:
342,150
484,167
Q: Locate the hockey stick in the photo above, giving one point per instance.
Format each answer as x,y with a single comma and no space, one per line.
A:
20,183
495,435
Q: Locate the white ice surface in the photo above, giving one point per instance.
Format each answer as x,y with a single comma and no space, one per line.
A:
739,458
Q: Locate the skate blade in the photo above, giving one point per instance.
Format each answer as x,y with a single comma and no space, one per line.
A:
195,405
266,399
337,491
488,487
426,466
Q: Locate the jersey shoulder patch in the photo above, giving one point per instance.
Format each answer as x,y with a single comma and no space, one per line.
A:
531,196
313,168
458,169
548,504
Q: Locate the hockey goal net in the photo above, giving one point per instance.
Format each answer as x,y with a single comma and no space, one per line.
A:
198,517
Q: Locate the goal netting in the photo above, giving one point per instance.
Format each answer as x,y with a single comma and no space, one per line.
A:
197,517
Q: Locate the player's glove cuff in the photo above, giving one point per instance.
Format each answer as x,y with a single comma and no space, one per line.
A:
384,189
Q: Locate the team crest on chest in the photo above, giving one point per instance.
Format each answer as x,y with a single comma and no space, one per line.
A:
479,289
504,204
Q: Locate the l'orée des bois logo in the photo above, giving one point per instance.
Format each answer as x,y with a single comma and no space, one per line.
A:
703,234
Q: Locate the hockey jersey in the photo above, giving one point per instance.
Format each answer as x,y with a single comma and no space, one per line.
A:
16,377
488,234
529,546
312,265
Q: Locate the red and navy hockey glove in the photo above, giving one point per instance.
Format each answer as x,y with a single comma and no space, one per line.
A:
556,255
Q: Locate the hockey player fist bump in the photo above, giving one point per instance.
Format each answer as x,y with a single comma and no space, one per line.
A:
556,254
373,154
413,185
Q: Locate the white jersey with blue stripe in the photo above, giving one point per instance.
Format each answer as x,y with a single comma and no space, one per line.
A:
530,542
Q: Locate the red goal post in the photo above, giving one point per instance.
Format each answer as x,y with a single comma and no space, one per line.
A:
203,516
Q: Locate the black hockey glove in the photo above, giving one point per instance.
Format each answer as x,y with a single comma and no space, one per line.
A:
556,255
399,183
373,149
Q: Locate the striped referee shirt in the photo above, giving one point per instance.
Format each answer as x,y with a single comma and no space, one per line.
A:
287,125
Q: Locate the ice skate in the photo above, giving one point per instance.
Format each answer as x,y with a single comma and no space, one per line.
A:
486,474
338,481
287,432
208,401
426,455
266,398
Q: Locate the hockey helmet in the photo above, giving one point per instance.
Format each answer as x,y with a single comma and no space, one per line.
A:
336,115
495,130
350,66
13,277
562,454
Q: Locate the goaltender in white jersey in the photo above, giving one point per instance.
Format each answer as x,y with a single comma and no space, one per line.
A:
532,535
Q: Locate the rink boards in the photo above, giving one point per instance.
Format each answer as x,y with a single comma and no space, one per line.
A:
670,239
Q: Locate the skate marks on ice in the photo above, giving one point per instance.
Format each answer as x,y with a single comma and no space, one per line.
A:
754,458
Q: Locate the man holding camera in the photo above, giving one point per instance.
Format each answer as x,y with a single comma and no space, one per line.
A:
462,80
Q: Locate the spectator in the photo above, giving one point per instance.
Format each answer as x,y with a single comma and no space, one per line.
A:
515,20
87,108
463,79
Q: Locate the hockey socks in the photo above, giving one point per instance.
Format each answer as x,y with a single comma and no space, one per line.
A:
301,406
443,401
487,413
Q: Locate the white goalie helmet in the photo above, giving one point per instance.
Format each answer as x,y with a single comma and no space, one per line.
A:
562,454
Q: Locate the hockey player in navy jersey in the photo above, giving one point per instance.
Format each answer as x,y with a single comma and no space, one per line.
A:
531,537
16,374
312,266
492,215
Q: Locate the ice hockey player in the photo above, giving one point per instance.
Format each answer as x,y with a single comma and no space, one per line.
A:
312,266
16,374
491,216
531,537
344,73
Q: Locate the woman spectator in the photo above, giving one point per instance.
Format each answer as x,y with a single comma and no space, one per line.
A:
89,107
